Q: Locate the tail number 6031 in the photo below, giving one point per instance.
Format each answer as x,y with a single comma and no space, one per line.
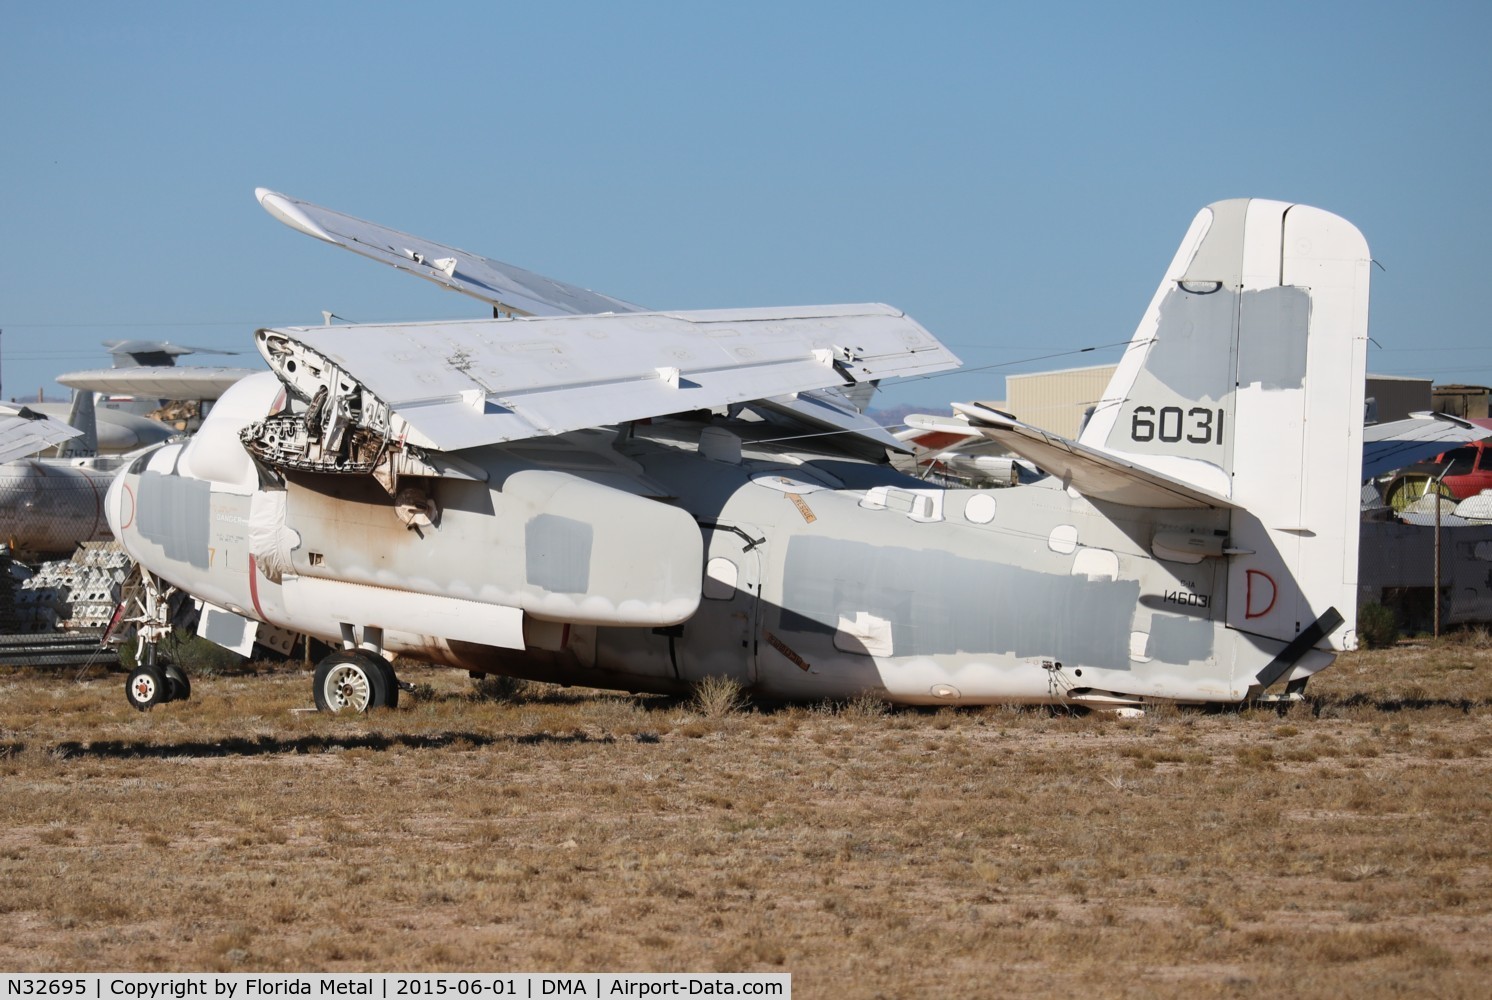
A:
1170,424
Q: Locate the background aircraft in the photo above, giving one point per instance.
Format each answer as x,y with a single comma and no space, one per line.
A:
51,501
587,493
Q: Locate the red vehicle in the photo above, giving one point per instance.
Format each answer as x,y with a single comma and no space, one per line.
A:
1460,473
1467,470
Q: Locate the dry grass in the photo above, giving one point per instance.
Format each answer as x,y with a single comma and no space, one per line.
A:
1340,848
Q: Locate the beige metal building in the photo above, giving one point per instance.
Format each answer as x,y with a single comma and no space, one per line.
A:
1463,400
1059,401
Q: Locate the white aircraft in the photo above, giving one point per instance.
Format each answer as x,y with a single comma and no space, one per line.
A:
946,452
585,492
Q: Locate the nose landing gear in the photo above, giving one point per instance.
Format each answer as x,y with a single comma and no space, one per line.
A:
153,681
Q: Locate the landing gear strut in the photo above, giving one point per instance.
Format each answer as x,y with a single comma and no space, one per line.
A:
153,681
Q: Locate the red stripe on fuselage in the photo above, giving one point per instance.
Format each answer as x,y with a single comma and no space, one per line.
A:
254,588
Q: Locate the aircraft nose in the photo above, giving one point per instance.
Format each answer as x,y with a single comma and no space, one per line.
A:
119,506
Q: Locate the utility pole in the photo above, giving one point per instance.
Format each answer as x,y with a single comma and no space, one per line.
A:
1437,563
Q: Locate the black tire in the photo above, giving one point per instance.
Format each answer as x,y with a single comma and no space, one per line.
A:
351,680
145,687
178,688
390,680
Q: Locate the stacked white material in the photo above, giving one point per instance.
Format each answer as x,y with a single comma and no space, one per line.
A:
75,593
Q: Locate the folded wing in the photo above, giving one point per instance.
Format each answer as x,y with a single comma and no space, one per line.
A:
519,292
446,386
510,289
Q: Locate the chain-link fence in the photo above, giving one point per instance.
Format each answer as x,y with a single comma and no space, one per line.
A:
1427,561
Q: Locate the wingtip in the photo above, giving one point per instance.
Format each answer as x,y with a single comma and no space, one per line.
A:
287,211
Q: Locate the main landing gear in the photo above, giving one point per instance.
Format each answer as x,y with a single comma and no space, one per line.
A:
357,678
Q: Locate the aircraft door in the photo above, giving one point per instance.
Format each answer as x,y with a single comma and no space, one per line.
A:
720,639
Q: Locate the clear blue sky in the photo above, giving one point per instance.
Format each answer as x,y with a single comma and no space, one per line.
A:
1015,177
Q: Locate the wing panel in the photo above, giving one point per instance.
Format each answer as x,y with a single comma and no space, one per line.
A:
461,384
510,288
24,432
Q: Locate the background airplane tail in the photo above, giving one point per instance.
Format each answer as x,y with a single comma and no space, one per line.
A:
84,418
1246,378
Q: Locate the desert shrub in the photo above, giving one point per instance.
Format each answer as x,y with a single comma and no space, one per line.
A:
866,705
1376,626
499,687
717,696
1471,636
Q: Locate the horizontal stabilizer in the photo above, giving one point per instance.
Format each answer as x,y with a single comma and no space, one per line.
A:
462,384
1095,474
156,382
510,288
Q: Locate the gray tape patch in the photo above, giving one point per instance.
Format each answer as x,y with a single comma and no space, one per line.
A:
1273,326
938,602
1180,640
1192,356
175,513
558,554
223,627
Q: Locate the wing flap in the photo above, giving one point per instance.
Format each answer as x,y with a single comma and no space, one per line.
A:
1095,474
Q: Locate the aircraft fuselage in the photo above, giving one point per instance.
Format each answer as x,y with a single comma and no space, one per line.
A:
803,576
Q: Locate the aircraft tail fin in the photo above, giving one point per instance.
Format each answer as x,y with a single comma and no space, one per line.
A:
82,417
1245,379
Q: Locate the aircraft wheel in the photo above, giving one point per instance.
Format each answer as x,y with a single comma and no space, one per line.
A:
1405,490
145,687
178,688
351,680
